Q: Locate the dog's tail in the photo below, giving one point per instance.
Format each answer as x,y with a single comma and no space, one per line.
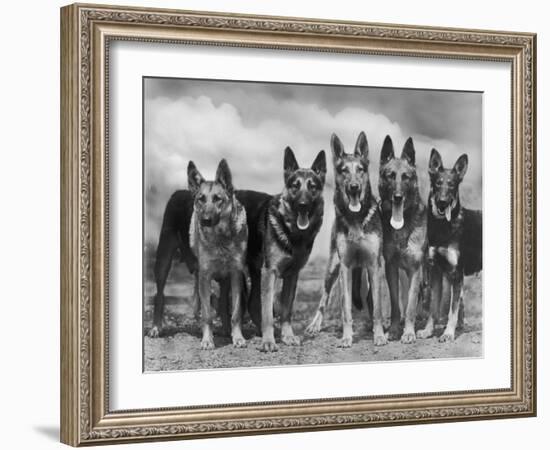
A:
356,275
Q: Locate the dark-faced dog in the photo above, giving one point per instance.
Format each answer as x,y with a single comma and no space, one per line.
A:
292,220
356,239
404,222
218,237
454,242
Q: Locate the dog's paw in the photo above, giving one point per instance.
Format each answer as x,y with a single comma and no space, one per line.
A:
408,337
290,340
425,333
239,342
394,332
345,342
447,337
269,346
153,332
314,327
380,339
207,344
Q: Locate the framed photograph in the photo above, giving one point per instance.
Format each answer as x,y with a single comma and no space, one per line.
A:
275,224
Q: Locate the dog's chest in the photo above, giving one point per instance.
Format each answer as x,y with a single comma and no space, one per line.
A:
357,247
221,257
407,244
219,250
283,262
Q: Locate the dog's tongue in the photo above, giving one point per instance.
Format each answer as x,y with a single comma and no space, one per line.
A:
396,220
354,204
448,212
303,221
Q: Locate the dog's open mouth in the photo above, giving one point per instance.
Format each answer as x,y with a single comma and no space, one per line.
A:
396,220
354,204
303,221
446,212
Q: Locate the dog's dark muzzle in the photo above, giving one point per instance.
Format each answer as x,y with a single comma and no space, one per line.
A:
354,194
442,205
397,220
208,222
303,215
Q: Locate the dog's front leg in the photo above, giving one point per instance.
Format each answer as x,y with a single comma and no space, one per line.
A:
374,280
287,302
268,335
196,298
236,315
347,319
224,304
205,282
331,276
415,277
392,277
435,287
457,282
255,296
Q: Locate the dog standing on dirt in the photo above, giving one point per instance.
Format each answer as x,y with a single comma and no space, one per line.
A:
218,237
356,240
404,223
291,222
174,237
454,242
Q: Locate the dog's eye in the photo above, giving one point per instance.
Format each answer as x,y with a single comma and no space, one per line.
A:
296,185
405,177
391,175
216,198
360,169
202,198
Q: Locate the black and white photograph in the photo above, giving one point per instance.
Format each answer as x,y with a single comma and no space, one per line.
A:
289,224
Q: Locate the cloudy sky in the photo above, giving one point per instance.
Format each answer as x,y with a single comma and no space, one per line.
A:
250,124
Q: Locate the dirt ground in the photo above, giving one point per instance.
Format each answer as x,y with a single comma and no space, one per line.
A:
178,348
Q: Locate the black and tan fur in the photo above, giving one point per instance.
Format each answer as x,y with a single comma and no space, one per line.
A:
404,222
292,220
454,242
174,241
356,240
218,237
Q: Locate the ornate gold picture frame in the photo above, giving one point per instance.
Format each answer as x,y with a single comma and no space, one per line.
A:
87,31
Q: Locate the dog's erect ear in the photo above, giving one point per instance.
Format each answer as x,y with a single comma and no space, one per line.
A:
461,166
194,177
223,176
362,147
319,166
337,147
387,153
408,152
290,163
436,163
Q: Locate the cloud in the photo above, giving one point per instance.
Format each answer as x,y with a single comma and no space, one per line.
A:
251,128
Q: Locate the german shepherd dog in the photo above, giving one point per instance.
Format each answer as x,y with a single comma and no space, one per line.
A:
174,238
404,223
291,222
454,242
356,240
218,237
